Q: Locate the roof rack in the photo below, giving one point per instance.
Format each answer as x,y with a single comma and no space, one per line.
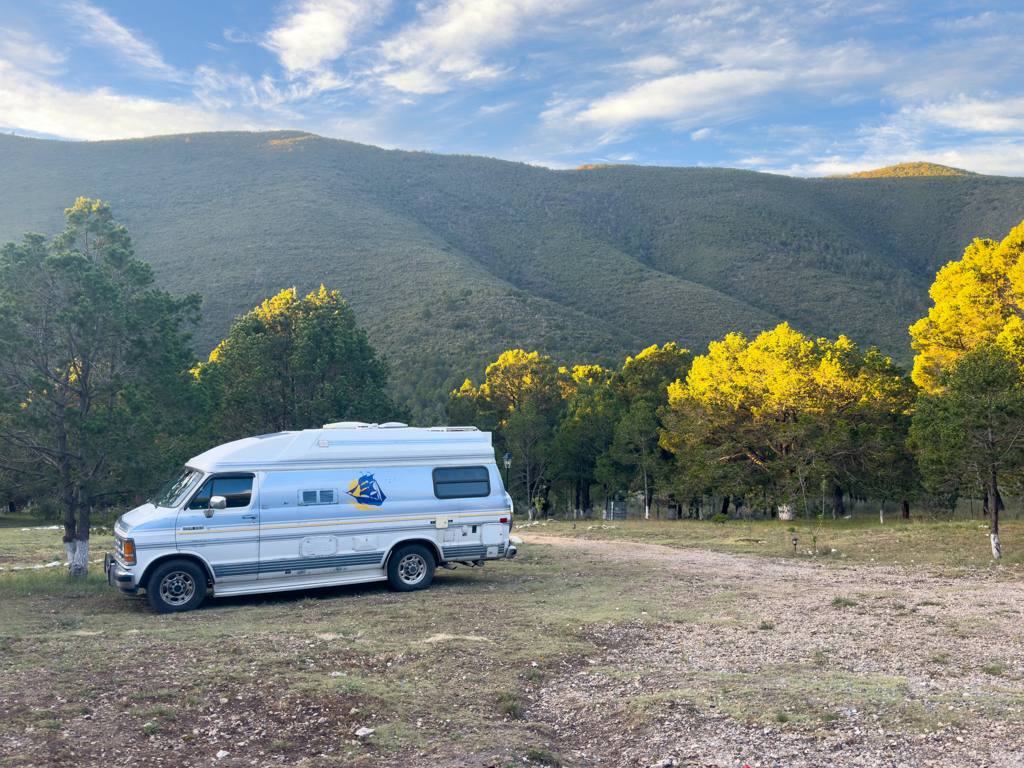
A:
454,429
364,425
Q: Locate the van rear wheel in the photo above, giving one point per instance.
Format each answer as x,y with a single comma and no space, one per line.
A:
411,567
176,586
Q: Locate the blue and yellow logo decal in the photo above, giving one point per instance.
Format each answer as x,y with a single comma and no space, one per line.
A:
366,492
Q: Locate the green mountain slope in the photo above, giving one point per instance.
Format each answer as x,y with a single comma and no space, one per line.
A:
449,260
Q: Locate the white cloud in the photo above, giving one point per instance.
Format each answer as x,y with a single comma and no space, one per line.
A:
451,42
25,51
703,133
316,32
687,99
103,30
495,109
655,64
30,103
971,115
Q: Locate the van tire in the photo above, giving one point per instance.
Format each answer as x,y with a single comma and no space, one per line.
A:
176,586
411,567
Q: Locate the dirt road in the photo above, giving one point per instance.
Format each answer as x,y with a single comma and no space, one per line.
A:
789,663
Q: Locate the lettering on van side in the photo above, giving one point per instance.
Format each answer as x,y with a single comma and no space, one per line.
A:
193,528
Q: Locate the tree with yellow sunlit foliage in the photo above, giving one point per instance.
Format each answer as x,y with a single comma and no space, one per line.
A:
769,416
649,374
520,400
978,300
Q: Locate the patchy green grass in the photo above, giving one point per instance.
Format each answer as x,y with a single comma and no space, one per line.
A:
452,671
960,545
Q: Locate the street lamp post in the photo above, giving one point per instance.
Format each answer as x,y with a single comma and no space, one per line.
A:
508,463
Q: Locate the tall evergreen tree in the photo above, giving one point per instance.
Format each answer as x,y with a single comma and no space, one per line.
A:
973,428
297,363
93,368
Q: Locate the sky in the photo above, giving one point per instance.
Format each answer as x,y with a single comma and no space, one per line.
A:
802,88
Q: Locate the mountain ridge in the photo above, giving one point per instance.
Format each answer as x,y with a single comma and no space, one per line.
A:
450,259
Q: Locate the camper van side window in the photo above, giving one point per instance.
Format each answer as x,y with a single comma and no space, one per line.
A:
318,496
461,482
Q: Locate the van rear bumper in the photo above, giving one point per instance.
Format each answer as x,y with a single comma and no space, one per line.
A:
118,576
510,552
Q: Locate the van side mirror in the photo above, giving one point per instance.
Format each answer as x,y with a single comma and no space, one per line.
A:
216,502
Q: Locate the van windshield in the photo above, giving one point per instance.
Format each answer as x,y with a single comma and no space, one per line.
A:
178,488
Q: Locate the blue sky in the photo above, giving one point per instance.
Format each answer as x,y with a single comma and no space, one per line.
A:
806,88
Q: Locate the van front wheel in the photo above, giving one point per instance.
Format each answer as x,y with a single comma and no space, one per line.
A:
411,567
176,586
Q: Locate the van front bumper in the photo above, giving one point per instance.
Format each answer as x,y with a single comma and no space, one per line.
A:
119,576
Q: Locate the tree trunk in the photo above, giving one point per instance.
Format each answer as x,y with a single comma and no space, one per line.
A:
881,513
997,551
76,533
906,509
725,506
647,499
837,500
984,503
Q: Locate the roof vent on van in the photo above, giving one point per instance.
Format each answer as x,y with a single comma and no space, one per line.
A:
393,425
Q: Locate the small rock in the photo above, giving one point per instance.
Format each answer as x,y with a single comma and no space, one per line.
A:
223,701
364,732
353,711
222,753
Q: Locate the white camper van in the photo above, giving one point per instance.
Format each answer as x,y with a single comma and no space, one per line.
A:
348,503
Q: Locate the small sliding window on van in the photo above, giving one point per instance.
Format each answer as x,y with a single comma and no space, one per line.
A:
317,497
461,482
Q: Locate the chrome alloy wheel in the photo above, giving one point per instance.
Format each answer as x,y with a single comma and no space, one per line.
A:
412,569
177,588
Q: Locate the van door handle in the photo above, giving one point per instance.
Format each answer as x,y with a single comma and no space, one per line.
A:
249,517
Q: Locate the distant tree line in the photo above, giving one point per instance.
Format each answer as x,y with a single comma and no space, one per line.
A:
768,423
102,397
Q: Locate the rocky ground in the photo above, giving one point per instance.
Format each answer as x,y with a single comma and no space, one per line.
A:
949,651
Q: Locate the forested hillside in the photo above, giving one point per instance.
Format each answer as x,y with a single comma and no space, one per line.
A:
450,260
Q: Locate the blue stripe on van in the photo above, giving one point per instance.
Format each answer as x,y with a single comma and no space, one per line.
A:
302,563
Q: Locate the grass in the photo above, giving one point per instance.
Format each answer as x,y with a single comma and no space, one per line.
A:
510,703
958,546
436,673
843,602
545,756
996,668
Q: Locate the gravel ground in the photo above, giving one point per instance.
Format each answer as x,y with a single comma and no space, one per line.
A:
948,648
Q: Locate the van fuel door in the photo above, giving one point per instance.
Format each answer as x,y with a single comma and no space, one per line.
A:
441,522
